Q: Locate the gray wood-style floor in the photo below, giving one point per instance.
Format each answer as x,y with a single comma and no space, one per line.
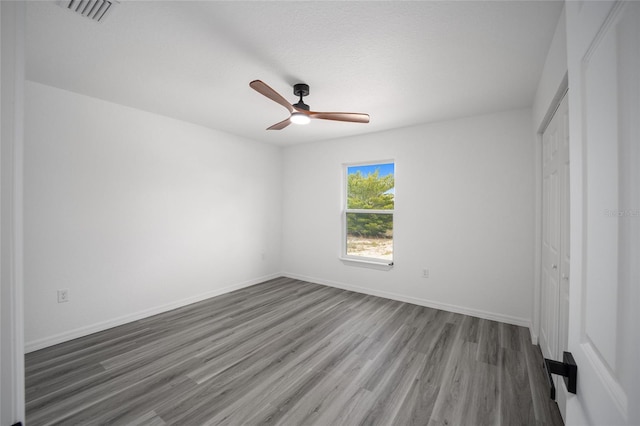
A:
290,352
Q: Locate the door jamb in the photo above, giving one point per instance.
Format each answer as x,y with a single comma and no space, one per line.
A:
537,267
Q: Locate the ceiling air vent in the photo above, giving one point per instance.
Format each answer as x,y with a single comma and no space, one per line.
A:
93,9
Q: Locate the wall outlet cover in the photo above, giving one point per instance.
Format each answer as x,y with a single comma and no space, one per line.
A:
63,295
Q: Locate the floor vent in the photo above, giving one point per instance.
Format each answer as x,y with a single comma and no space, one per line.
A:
95,10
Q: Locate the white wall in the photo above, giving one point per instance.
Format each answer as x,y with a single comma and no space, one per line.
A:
551,79
137,213
464,210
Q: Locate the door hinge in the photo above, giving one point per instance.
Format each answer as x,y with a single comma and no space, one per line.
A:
568,369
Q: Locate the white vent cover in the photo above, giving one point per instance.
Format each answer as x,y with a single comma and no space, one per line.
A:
92,9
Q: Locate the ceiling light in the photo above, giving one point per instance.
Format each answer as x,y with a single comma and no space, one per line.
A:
300,118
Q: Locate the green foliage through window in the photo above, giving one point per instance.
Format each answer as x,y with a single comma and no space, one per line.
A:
370,191
370,225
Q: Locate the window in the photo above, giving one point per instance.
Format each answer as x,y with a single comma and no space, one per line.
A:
368,212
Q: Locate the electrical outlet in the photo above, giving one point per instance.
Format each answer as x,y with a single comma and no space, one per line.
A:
425,273
63,295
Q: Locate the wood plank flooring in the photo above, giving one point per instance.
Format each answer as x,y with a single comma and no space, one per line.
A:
289,352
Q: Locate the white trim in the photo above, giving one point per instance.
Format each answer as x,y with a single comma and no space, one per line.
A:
537,240
386,264
12,408
611,385
368,163
563,89
101,326
523,322
18,210
553,106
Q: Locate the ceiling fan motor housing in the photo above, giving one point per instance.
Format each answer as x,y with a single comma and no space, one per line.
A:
301,89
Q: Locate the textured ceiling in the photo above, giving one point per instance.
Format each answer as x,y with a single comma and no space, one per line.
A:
404,63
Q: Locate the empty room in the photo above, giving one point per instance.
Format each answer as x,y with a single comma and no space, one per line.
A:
320,212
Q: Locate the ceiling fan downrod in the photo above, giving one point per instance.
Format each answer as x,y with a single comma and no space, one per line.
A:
301,90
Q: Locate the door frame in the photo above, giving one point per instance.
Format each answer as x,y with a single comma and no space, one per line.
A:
552,107
12,407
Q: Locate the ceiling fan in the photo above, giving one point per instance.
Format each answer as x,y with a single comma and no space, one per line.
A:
299,112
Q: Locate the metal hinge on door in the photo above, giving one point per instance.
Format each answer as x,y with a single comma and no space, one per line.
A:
567,369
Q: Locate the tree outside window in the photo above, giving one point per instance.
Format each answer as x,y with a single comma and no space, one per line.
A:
369,211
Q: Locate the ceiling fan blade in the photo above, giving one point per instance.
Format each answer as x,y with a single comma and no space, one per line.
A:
352,117
281,125
267,91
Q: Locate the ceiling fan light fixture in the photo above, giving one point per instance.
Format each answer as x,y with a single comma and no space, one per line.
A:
300,118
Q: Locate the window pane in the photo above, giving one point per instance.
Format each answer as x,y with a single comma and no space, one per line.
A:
371,187
370,235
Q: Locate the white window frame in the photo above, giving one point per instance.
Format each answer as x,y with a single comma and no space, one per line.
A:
374,261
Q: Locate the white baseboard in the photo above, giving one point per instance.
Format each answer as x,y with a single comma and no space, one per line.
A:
101,326
524,322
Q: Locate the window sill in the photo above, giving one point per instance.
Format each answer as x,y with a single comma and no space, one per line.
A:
383,265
